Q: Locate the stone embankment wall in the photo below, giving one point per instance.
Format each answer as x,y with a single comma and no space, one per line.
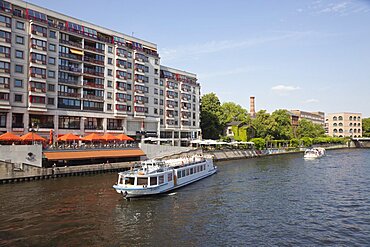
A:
219,155
153,151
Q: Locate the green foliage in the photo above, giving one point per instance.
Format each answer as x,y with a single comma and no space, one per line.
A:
306,141
259,143
294,142
308,129
210,112
232,112
235,130
366,127
260,123
279,125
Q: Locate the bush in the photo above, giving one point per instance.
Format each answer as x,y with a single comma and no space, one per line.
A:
259,143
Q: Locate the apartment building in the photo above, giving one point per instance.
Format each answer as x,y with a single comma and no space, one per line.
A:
344,124
314,117
63,74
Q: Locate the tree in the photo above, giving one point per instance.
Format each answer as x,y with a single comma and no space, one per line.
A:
232,112
260,123
308,129
210,112
366,127
259,143
280,125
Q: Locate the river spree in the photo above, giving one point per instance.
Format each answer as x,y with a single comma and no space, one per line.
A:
281,200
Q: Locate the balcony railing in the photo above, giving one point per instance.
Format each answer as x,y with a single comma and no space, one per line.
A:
93,108
43,48
38,90
63,80
91,48
71,56
70,68
93,72
44,34
38,61
6,40
93,60
43,76
3,85
93,97
5,55
93,84
71,43
2,70
65,94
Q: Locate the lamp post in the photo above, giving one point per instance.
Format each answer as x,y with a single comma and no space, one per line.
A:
33,130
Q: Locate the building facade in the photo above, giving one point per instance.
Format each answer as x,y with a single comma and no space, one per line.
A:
63,74
344,124
314,117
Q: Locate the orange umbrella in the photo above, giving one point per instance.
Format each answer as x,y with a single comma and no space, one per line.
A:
9,137
109,137
123,137
30,136
51,137
68,137
92,137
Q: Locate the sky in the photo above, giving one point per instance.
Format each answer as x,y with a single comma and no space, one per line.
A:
307,55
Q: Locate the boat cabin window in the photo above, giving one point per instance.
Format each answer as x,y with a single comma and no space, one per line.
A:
179,174
142,181
161,179
187,172
191,171
153,180
130,181
169,178
183,173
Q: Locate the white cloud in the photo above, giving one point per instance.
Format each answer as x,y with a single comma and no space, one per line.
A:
283,89
311,101
341,8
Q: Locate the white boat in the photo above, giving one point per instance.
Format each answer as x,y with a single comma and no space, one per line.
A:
313,153
155,177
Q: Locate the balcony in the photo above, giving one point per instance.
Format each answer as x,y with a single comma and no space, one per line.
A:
115,128
71,43
3,85
3,24
94,49
38,61
93,108
121,99
93,72
70,69
93,97
6,40
3,70
68,81
71,56
65,94
40,76
5,55
43,34
38,90
122,88
92,60
186,89
93,84
42,48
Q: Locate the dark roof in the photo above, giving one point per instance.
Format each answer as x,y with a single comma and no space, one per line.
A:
234,123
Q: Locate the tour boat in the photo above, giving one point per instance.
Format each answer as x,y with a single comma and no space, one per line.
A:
313,153
155,177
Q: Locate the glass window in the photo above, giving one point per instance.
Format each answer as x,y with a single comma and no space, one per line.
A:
51,74
18,54
109,107
52,47
51,87
18,68
110,49
51,60
110,60
17,97
110,72
19,40
18,83
52,34
110,83
20,25
50,101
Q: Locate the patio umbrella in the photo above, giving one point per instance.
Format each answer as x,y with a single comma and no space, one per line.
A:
9,137
30,136
51,137
123,137
69,137
92,137
109,137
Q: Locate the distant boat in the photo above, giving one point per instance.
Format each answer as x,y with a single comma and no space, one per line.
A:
155,177
313,153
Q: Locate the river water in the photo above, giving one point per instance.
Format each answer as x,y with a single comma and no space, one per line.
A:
281,200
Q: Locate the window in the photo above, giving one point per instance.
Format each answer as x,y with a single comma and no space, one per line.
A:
109,95
110,83
52,34
37,99
19,54
51,60
156,62
3,119
110,72
51,87
156,91
109,107
50,101
20,25
18,68
156,71
155,81
51,74
155,111
52,47
19,40
17,97
110,60
110,49
18,83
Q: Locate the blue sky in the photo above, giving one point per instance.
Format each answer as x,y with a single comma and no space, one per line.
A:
308,55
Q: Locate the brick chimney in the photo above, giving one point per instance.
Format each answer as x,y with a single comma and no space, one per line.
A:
252,110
